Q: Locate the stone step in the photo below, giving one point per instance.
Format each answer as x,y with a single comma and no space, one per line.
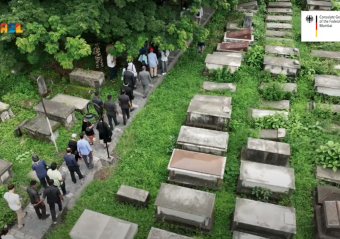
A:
288,87
279,4
283,62
278,33
279,26
280,50
287,11
326,54
327,84
278,39
278,18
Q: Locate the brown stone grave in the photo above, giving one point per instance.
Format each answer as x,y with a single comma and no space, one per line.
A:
235,46
241,34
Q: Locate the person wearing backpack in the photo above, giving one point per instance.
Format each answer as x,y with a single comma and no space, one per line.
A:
164,60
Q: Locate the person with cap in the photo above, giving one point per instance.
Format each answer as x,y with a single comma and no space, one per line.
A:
98,104
72,144
35,198
153,62
59,181
125,105
145,79
40,168
85,151
111,111
72,165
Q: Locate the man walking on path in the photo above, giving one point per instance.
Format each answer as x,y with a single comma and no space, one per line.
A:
35,198
164,60
128,90
40,167
145,79
98,104
125,105
53,197
129,76
85,151
59,181
111,63
111,111
72,165
153,62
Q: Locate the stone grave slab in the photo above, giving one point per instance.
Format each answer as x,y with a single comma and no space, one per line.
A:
18,131
244,34
92,225
319,5
135,196
328,220
278,34
273,134
217,62
327,193
228,54
280,180
277,39
78,103
281,50
334,108
326,54
257,113
203,140
37,128
5,112
242,235
86,77
277,105
279,65
287,11
233,46
211,86
327,84
156,233
5,171
188,208
267,151
327,174
288,87
278,18
228,39
247,6
264,219
279,4
231,26
208,111
196,169
248,20
57,111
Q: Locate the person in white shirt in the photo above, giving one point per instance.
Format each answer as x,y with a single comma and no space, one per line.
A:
13,202
111,63
164,60
4,235
59,181
199,15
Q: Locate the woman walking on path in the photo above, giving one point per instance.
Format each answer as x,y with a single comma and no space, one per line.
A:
105,132
90,133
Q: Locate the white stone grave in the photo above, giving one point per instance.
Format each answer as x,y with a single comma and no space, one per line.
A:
214,62
156,233
319,5
257,113
273,134
335,55
279,4
281,50
278,26
275,18
327,84
327,174
212,86
287,11
276,105
135,196
38,128
288,87
279,65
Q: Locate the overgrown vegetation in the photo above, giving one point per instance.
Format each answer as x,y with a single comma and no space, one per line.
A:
274,92
261,194
328,155
275,121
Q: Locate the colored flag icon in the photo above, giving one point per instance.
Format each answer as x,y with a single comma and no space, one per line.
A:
316,26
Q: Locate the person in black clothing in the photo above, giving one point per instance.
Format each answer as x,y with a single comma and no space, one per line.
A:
53,197
111,111
34,197
128,90
73,145
98,104
125,105
200,47
85,125
105,132
72,165
129,77
90,133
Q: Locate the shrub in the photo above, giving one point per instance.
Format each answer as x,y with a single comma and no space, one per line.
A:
274,92
262,194
323,113
255,56
328,155
271,122
222,75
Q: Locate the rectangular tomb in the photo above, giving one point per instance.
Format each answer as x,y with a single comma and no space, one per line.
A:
208,111
156,233
86,77
273,25
244,34
135,196
214,62
273,134
279,65
5,112
216,86
233,46
288,87
277,105
78,103
188,208
5,171
228,54
94,225
278,34
268,152
264,219
57,111
196,169
275,178
319,5
327,84
203,140
326,193
256,113
327,174
242,235
38,128
247,6
275,18
328,220
287,11
281,50
326,54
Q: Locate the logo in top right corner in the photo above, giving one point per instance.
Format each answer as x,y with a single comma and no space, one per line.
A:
309,18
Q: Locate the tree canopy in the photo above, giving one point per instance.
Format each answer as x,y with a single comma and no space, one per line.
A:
62,30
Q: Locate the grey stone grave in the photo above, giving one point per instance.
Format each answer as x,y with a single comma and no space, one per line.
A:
278,18
196,169
278,34
278,26
37,128
209,111
5,171
327,84
327,174
264,219
279,180
213,62
5,112
203,140
281,50
334,108
94,225
287,11
277,105
43,91
79,104
156,233
135,196
188,208
247,6
319,5
87,77
267,151
242,235
288,87
19,130
326,193
256,113
235,47
328,220
279,4
216,86
326,54
273,134
248,20
277,39
57,111
279,65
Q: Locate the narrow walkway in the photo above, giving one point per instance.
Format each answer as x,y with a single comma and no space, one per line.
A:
35,228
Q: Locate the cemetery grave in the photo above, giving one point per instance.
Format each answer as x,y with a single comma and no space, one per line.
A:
5,112
276,105
213,62
273,134
135,196
288,87
214,86
247,6
93,79
319,5
279,65
5,171
156,233
327,84
257,113
242,235
312,106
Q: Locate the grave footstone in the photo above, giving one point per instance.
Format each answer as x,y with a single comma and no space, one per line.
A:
273,134
233,46
43,91
212,86
92,224
242,235
267,220
196,169
327,193
78,103
327,84
328,220
38,128
135,196
156,233
240,34
86,77
5,112
5,171
188,208
257,113
248,20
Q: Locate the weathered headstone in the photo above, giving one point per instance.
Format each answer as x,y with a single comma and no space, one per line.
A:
279,4
5,112
278,18
327,174
156,233
228,54
233,46
188,208
281,50
135,196
319,5
256,113
231,26
247,6
279,65
87,77
43,91
287,11
279,26
248,20
326,54
271,33
240,34
5,171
